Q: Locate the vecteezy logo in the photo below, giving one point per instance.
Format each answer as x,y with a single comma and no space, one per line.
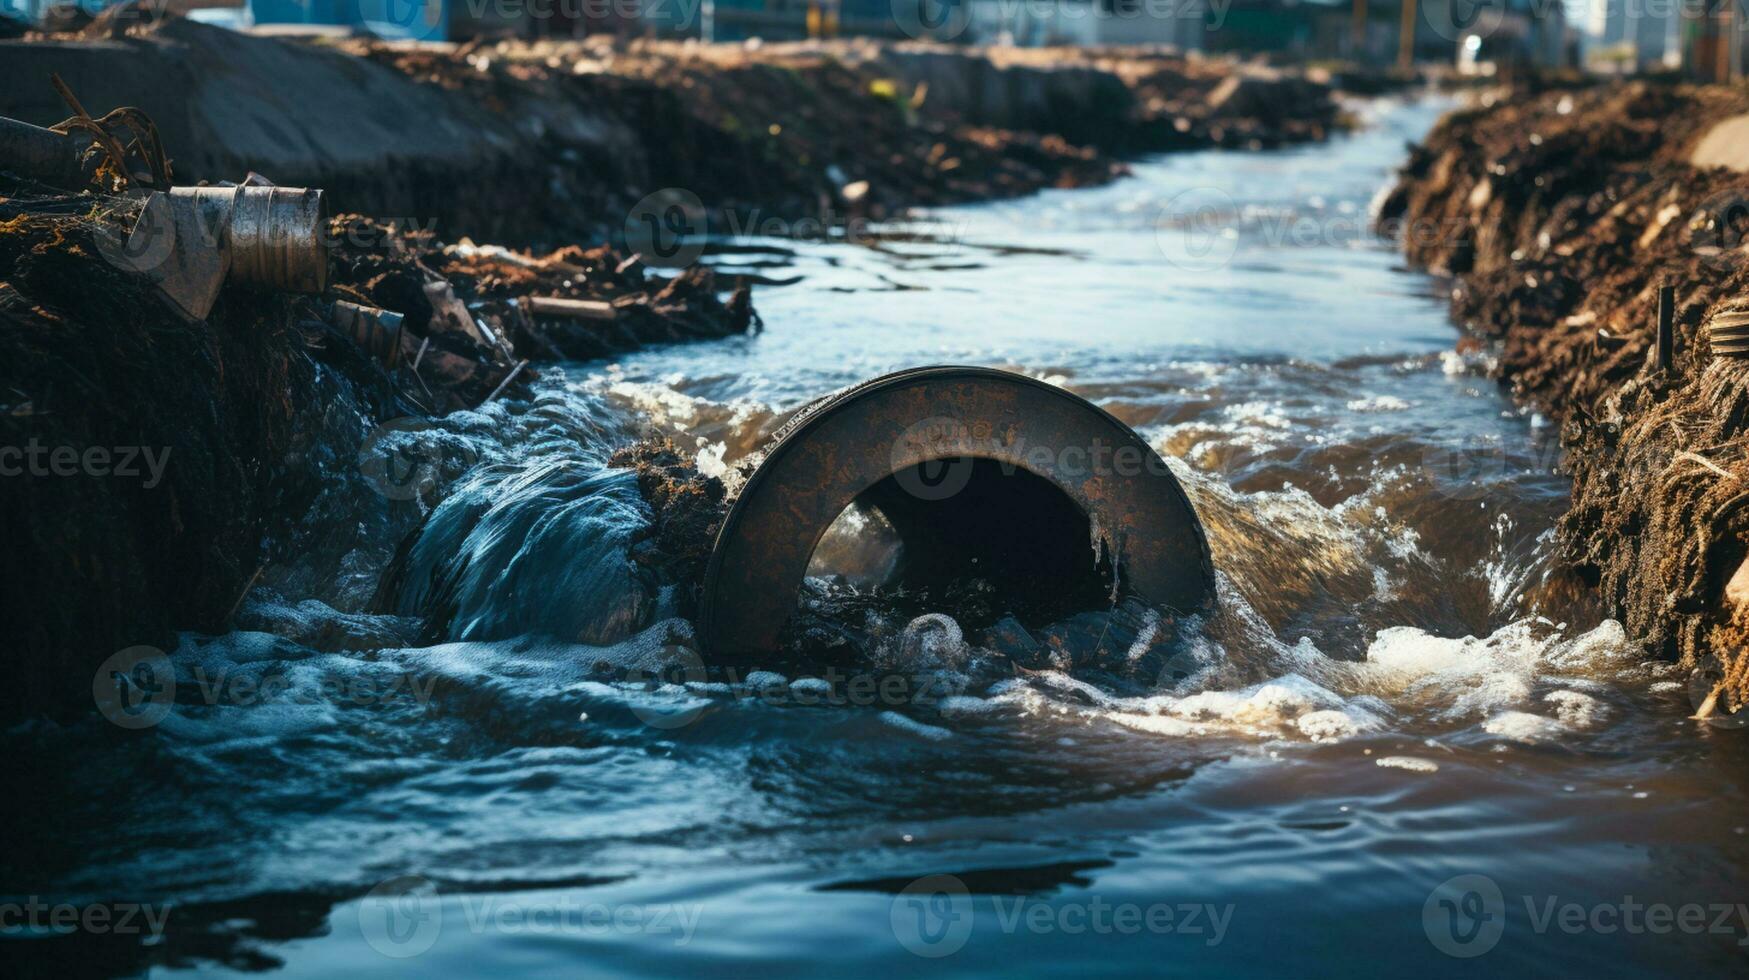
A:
928,461
401,458
1464,471
401,917
676,666
1720,229
1464,916
404,20
932,20
1458,19
135,688
1197,230
932,916
147,245
667,228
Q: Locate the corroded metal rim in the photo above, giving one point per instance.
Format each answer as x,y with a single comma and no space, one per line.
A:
837,448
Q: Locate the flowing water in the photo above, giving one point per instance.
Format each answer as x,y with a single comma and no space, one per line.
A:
1406,742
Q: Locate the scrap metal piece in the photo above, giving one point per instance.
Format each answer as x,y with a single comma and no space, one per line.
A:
177,242
376,331
938,450
1728,332
450,315
580,309
1665,349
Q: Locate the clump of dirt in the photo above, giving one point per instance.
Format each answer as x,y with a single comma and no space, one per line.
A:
686,509
1561,213
1661,478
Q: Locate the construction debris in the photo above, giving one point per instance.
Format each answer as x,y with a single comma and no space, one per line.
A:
571,303
581,309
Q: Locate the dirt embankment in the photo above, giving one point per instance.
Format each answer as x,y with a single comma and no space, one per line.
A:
841,129
550,143
1561,213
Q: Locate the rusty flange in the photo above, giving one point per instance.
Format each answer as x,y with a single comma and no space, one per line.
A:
881,433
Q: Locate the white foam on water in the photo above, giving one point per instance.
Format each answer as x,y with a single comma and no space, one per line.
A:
912,726
965,705
1468,677
1531,680
1329,725
760,680
1378,403
1408,762
1522,726
1576,709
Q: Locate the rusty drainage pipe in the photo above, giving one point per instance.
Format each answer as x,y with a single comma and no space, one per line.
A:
42,154
190,241
1019,474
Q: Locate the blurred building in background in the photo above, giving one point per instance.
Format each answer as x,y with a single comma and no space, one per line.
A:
1701,39
1181,24
1383,33
1623,36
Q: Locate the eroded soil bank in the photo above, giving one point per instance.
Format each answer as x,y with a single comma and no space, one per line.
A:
554,142
1560,214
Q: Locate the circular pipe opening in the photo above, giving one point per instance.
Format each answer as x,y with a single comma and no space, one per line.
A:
976,472
1003,531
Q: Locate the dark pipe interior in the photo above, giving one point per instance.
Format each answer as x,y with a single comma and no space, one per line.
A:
1004,526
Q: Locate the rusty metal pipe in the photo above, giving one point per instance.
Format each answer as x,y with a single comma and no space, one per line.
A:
940,450
41,154
192,240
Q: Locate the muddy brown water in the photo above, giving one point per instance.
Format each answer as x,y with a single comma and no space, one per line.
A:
1407,743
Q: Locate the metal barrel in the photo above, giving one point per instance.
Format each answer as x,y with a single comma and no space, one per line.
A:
276,236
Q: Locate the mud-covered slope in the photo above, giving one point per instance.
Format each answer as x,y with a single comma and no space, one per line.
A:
1560,213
